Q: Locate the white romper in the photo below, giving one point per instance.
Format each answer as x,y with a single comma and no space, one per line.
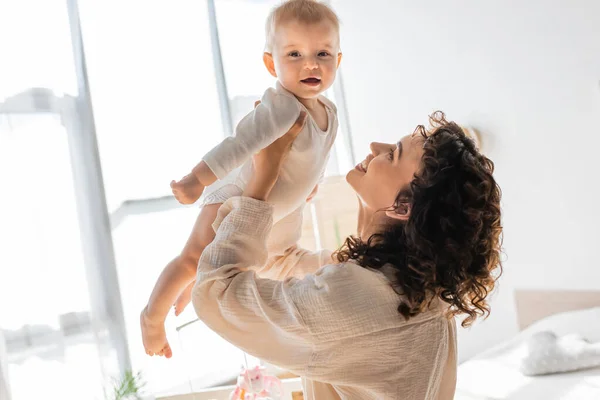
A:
303,168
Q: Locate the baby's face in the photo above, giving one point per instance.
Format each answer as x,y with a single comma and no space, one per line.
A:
306,57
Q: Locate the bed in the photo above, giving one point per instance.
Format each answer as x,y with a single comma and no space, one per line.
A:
495,373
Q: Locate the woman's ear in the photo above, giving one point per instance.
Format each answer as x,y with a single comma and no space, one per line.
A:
401,212
269,63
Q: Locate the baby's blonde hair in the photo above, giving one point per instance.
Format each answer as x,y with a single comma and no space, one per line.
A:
304,11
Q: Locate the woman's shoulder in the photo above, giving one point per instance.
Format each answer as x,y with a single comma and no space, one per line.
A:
338,283
348,299
341,292
349,272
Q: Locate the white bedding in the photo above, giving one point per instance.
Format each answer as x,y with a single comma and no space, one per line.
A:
495,375
493,380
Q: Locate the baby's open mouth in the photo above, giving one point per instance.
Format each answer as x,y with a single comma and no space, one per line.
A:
311,81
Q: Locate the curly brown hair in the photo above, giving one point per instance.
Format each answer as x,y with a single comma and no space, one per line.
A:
449,248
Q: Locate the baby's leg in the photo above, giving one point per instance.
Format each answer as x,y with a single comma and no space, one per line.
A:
184,298
175,277
201,236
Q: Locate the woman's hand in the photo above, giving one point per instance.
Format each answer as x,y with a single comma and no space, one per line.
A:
268,162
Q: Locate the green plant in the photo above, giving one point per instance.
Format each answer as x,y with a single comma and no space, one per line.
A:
128,387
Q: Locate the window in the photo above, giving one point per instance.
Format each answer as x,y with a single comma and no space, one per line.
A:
36,47
167,81
153,90
156,106
45,313
51,335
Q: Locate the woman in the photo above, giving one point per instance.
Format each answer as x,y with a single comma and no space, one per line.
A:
375,319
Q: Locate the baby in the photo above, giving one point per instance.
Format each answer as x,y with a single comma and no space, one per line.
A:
303,52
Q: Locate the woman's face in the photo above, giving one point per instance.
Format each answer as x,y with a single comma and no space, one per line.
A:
388,169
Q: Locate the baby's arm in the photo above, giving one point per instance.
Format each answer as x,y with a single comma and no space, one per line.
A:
189,188
272,118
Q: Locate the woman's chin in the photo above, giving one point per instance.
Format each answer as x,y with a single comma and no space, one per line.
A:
352,177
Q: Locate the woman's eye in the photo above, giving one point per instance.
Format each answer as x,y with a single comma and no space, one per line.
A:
391,155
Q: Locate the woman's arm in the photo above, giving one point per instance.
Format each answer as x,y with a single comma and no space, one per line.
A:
257,315
295,262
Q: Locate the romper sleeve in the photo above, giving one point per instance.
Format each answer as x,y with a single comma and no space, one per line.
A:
271,119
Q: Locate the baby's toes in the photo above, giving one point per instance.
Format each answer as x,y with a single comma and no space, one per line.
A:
167,352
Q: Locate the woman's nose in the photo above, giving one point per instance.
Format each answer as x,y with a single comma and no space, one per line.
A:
377,148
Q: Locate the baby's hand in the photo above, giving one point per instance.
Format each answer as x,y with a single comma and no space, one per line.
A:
188,189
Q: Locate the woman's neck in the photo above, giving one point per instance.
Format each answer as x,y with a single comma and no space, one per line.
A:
370,221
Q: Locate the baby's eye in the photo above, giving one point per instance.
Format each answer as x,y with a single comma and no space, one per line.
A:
323,54
294,54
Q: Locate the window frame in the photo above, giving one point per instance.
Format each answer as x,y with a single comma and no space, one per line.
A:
76,115
96,222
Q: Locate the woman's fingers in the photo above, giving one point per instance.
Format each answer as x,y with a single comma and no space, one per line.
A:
298,125
267,162
293,132
280,147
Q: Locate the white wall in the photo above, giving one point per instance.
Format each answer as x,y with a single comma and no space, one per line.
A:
525,73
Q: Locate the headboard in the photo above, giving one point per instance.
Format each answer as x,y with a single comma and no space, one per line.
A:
533,305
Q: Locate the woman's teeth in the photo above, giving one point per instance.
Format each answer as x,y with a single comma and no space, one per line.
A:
362,167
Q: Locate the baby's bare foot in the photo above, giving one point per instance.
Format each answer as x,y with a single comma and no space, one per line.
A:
154,336
184,299
188,189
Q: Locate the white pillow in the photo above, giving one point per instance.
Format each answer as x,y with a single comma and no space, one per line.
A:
585,323
549,354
